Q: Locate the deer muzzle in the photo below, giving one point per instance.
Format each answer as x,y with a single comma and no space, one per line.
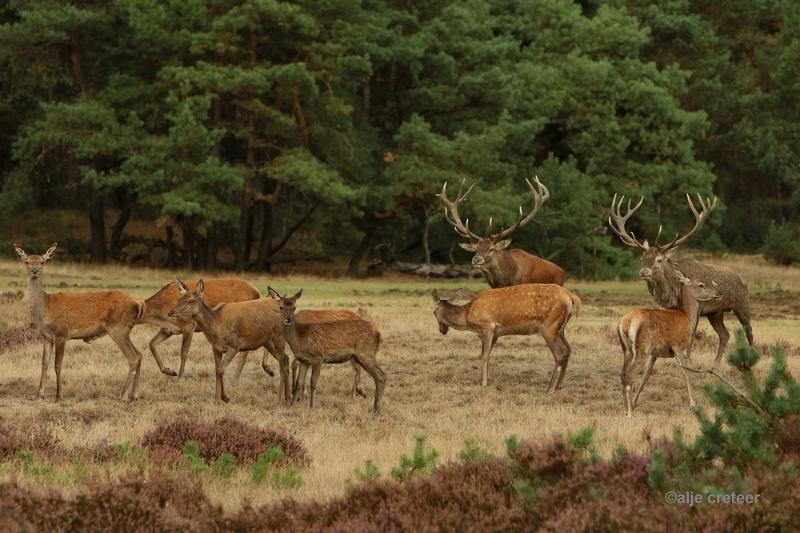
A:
645,273
443,328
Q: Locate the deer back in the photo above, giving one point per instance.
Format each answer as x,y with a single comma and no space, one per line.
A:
217,291
251,323
83,311
731,288
519,305
334,338
656,328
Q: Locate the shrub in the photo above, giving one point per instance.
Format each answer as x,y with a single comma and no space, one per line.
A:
281,478
370,472
18,336
782,244
472,452
15,438
244,442
420,462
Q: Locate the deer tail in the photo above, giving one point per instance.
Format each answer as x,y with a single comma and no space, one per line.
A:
576,304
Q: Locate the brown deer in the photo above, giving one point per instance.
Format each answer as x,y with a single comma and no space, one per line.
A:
217,291
234,327
662,272
308,316
518,310
647,333
501,267
338,341
60,317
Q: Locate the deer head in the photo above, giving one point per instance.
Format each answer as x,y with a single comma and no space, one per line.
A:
697,290
444,307
656,259
287,304
188,305
486,247
35,263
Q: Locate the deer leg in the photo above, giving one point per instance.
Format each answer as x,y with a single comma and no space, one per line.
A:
300,389
648,367
160,337
279,353
240,366
370,365
122,339
315,368
47,349
59,346
265,364
297,382
218,376
743,314
186,343
681,361
556,348
487,341
693,319
356,390
566,351
717,322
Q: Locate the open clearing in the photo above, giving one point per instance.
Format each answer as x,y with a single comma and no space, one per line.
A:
432,380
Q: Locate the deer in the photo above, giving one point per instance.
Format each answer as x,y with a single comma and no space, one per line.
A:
502,267
299,369
662,272
517,310
648,333
234,327
217,291
334,341
87,316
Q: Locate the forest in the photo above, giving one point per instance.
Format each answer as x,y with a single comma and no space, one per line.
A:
251,132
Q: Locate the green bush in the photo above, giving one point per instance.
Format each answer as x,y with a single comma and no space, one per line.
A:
420,462
369,472
782,244
473,452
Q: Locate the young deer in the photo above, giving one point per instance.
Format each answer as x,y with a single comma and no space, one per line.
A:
516,310
89,315
234,327
217,291
338,341
299,370
647,333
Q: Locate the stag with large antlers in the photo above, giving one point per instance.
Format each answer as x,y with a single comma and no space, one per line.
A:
501,267
662,272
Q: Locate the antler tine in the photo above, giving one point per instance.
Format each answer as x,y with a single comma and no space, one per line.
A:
617,220
699,219
451,210
540,195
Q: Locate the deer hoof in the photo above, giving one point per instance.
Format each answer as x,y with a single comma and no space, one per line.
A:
169,372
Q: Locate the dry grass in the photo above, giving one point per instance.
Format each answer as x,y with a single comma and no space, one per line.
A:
432,389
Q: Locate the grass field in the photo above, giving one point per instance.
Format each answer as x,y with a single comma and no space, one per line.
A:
432,380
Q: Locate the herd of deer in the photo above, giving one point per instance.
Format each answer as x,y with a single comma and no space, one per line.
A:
526,297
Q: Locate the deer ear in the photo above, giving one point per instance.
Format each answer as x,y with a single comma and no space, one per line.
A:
298,295
469,246
273,293
645,245
435,296
182,288
21,253
502,245
48,255
201,286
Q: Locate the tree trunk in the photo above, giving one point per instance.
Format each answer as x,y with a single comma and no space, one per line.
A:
189,241
426,245
97,211
267,234
358,254
212,242
172,256
119,226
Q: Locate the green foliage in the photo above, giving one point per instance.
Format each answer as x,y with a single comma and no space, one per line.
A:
782,244
582,443
368,472
192,458
224,465
286,478
421,461
265,469
473,452
512,444
265,463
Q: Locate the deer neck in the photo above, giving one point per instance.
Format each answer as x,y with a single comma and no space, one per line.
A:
455,316
37,301
667,292
497,271
206,319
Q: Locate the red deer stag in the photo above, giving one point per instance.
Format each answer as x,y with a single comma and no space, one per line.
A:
217,291
234,327
647,333
60,317
662,271
501,267
338,341
518,310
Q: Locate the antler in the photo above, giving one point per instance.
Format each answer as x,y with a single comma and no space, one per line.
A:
617,221
540,195
451,211
699,219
